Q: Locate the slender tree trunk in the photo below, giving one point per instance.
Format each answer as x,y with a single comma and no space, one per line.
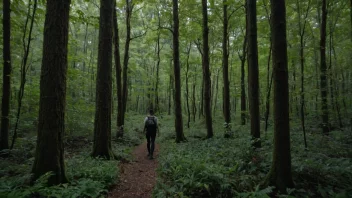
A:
102,122
280,173
24,67
269,80
243,86
129,7
206,71
119,121
6,77
216,85
187,87
49,155
323,71
302,29
225,64
176,55
194,106
253,72
336,87
201,106
157,71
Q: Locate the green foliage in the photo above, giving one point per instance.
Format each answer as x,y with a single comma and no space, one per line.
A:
221,167
88,178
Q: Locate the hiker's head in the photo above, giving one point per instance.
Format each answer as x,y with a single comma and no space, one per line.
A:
151,112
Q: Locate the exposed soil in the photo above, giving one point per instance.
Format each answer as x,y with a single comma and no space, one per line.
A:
138,177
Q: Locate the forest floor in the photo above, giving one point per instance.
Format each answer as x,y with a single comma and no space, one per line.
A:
137,178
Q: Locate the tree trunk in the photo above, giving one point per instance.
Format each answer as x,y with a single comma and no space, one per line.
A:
187,87
49,155
201,105
253,72
225,63
269,78
176,57
194,106
129,8
336,87
157,107
323,71
24,67
302,29
216,85
119,121
102,122
6,77
243,86
206,71
280,174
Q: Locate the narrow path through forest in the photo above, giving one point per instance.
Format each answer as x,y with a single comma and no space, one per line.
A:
138,177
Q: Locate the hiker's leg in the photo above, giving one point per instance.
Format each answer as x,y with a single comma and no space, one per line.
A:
152,137
148,141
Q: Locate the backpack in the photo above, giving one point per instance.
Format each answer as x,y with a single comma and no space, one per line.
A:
150,124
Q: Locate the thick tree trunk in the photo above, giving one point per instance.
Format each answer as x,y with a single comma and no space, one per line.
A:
176,56
102,122
49,155
225,64
6,77
119,121
253,72
206,71
280,174
323,72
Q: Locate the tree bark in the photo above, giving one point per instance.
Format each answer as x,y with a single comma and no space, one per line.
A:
206,71
176,57
253,72
302,28
323,72
119,121
243,76
6,76
24,67
129,8
49,155
225,63
269,78
187,86
102,122
280,174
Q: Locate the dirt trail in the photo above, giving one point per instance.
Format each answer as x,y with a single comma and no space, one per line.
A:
138,177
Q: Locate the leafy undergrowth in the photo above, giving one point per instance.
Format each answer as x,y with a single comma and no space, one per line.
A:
88,177
220,167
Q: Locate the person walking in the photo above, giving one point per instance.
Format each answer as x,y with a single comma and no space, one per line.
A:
150,129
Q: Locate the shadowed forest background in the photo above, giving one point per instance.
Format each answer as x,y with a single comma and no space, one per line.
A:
245,109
